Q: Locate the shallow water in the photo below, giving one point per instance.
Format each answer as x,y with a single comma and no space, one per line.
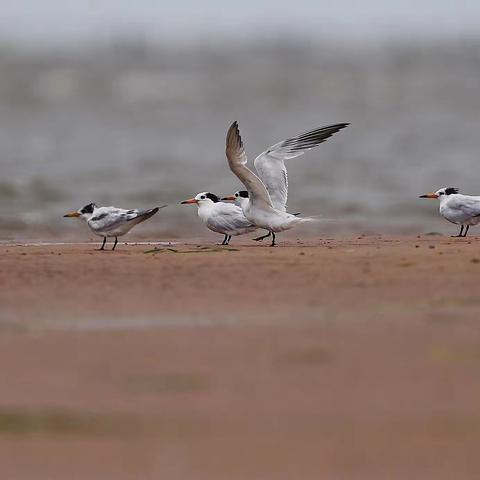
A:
138,127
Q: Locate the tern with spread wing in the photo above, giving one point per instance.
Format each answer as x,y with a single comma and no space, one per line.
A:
221,217
265,201
112,222
463,210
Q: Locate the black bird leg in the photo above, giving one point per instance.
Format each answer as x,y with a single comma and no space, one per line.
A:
228,240
273,239
224,240
115,244
103,244
258,239
466,230
460,234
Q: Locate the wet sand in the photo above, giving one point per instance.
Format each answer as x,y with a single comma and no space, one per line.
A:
346,358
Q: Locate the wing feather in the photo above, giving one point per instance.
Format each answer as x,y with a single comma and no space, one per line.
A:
108,219
237,160
467,204
229,219
270,165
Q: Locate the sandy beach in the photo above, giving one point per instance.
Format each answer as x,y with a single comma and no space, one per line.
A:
341,358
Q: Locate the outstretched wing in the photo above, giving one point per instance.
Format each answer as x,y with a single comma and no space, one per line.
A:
237,160
270,165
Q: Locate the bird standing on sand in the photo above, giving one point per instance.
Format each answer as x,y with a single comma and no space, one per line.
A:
112,221
241,200
463,210
266,198
221,217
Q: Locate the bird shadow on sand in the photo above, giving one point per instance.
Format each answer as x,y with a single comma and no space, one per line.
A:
202,249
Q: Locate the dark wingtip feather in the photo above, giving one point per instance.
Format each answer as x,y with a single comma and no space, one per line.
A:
314,137
234,138
142,216
233,127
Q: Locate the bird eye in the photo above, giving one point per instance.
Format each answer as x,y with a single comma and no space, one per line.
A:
236,194
202,197
442,193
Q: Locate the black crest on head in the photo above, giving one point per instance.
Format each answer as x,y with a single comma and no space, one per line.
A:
451,191
212,197
88,208
243,194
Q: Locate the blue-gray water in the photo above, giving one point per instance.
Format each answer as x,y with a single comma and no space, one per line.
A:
136,126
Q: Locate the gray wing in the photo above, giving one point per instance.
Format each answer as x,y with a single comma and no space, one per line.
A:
237,160
139,216
270,165
107,219
469,205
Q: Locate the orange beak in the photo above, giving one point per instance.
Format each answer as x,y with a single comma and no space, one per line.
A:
189,201
429,195
231,197
72,214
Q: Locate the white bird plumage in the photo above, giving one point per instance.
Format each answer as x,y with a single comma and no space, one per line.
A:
112,222
221,217
268,192
270,164
463,210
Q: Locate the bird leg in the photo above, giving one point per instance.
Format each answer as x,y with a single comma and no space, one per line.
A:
228,240
460,234
225,238
103,244
115,244
273,239
466,230
259,239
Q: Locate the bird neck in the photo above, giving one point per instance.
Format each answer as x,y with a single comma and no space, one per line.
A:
242,202
205,209
444,199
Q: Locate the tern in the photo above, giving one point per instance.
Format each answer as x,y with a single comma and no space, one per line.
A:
221,217
112,222
241,199
463,210
264,203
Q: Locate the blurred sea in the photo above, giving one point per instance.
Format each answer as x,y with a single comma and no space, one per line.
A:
136,126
